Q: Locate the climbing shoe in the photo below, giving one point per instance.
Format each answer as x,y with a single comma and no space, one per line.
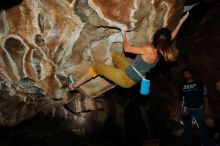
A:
71,81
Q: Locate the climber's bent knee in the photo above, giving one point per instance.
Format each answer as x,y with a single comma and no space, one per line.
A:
92,72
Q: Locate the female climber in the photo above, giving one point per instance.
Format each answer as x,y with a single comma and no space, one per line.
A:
124,73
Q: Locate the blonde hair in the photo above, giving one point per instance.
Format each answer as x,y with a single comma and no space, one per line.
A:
162,42
169,53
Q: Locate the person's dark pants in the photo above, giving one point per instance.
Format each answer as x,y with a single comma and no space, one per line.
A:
200,119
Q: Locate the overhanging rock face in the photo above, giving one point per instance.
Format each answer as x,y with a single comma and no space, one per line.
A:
43,41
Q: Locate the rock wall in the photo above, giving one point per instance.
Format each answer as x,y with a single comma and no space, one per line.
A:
41,42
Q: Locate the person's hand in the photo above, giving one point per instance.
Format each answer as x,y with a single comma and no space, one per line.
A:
184,17
209,121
